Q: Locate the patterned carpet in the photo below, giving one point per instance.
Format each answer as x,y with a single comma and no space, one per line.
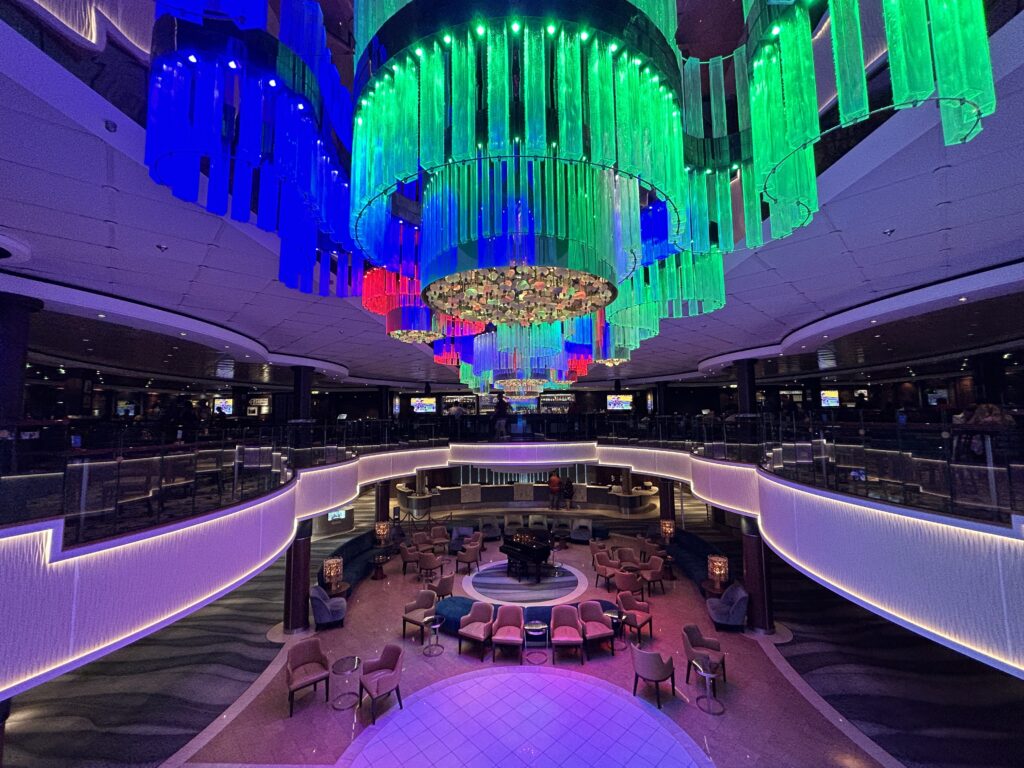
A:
139,705
494,584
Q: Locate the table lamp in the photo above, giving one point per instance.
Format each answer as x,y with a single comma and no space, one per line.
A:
668,529
333,567
383,531
718,569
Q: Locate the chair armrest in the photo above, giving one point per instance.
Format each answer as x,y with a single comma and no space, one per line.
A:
712,643
372,666
410,607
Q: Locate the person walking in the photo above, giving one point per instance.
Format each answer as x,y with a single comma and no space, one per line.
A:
555,490
501,417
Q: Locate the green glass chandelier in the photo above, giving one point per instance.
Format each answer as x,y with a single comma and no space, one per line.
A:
570,176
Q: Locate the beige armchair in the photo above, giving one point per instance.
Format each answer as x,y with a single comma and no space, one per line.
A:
653,572
606,568
476,626
649,549
409,557
382,676
429,564
595,547
566,630
470,556
421,541
703,652
307,665
629,582
635,615
596,626
628,556
420,611
651,667
507,629
443,587
439,537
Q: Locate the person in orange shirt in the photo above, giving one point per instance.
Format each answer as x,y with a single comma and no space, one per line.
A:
555,490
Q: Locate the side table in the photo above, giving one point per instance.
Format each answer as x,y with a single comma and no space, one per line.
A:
340,589
707,702
379,561
536,632
711,588
434,647
346,665
617,626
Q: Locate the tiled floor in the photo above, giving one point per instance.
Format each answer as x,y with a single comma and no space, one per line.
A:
522,717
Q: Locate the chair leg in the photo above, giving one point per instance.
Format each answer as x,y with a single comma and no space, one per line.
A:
657,693
460,646
689,665
725,678
398,693
673,679
327,689
581,655
291,703
403,629
636,679
373,710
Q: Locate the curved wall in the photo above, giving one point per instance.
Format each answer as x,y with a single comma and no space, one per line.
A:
954,581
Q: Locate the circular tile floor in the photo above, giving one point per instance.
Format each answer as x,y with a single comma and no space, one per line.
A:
524,717
491,585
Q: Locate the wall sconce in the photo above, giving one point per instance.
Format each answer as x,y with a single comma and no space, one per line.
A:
718,569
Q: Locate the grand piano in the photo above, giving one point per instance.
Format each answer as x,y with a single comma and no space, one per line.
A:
526,550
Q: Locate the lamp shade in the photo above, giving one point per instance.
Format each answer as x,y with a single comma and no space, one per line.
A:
718,568
333,567
668,530
382,529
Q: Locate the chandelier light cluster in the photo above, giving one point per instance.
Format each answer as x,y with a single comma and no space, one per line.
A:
530,186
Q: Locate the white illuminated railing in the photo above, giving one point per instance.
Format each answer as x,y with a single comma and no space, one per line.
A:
956,581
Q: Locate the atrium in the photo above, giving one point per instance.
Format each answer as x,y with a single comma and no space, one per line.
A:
511,383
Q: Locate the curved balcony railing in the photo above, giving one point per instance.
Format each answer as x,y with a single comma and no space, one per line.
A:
120,479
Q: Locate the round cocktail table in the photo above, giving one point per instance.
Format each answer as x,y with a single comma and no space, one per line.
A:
707,702
616,616
346,665
534,630
434,647
379,561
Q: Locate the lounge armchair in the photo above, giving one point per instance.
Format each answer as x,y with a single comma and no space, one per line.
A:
702,652
476,626
628,556
507,629
635,615
730,610
470,556
409,557
653,573
513,523
539,522
421,540
439,537
566,630
649,549
606,568
382,676
596,626
651,667
443,587
429,563
490,529
327,610
581,532
629,582
595,547
420,611
307,665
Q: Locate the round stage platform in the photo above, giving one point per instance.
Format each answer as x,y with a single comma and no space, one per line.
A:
491,585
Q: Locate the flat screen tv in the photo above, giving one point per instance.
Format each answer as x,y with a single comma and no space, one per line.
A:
226,404
620,402
830,398
424,405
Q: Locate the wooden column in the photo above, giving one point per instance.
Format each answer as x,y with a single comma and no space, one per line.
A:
667,498
383,502
756,579
296,581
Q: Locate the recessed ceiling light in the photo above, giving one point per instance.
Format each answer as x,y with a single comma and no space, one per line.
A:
183,334
962,299
873,322
101,315
825,336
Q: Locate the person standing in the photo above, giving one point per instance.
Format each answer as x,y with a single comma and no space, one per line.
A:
500,416
568,491
555,490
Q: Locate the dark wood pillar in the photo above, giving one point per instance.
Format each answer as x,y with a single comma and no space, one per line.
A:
746,386
5,712
296,581
756,579
383,502
15,316
667,498
302,392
